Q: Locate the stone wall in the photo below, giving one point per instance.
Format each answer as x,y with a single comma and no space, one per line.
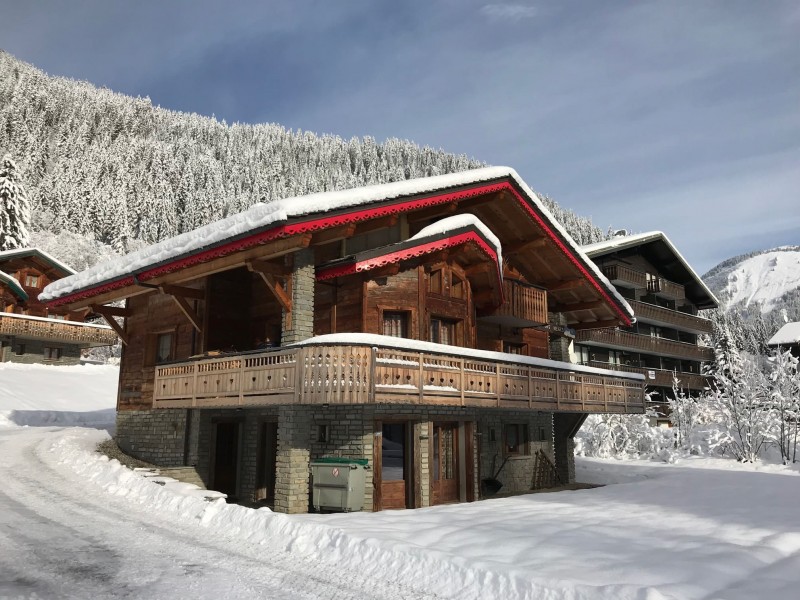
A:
155,436
301,321
34,351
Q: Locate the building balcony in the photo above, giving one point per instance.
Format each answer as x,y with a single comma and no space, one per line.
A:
627,277
38,328
338,374
657,377
658,315
623,340
525,306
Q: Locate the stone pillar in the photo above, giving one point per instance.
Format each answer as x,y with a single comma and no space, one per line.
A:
559,345
565,426
294,452
192,437
300,325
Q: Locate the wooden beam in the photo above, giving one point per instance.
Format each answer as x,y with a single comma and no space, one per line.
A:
112,322
596,324
112,311
576,306
432,212
186,309
379,223
525,246
183,291
277,290
563,285
270,268
384,271
334,234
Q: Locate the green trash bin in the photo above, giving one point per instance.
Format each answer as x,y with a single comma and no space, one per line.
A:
338,484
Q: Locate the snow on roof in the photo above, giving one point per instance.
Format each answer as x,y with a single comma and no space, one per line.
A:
457,222
629,241
52,320
9,254
788,335
16,288
261,216
372,339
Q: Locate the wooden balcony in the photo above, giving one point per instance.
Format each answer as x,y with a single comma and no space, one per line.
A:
83,334
525,306
627,277
666,289
657,377
623,340
350,374
658,315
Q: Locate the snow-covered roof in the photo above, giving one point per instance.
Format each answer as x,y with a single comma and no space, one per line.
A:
788,335
12,283
458,222
23,252
630,241
261,217
372,339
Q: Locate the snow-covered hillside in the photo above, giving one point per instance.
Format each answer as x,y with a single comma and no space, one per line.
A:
759,281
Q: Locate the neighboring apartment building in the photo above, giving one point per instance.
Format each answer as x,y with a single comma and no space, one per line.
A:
404,324
29,331
787,338
666,295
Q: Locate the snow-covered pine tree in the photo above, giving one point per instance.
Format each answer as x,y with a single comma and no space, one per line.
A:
785,402
15,212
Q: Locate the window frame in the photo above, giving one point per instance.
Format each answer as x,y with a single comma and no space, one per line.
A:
157,336
49,351
521,433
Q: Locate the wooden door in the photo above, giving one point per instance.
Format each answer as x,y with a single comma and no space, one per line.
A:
267,453
391,466
445,463
226,458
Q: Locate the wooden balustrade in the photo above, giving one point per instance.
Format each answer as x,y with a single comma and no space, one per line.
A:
655,285
66,331
657,377
623,340
525,305
345,374
672,318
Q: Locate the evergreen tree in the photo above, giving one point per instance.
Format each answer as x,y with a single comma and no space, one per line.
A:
15,212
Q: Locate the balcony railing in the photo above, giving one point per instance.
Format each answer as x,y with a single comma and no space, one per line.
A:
638,279
650,313
657,377
349,374
525,305
623,340
63,331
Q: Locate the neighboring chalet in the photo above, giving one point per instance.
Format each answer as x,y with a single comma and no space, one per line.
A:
665,294
787,338
406,324
29,331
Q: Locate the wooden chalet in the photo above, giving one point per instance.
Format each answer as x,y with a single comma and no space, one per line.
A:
414,324
29,330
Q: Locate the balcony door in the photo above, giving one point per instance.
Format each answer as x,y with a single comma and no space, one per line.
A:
445,465
392,460
225,469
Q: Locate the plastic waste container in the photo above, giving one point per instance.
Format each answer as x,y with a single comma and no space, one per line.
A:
338,483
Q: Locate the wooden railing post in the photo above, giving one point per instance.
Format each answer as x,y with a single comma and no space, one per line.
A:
421,381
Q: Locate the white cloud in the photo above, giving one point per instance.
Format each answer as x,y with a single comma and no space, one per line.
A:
514,12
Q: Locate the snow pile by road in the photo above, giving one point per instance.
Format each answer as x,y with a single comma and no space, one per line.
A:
57,395
763,279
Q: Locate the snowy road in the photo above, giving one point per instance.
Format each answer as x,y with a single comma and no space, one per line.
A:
58,541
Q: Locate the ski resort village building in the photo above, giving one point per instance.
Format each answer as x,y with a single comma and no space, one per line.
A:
417,327
787,338
665,294
29,331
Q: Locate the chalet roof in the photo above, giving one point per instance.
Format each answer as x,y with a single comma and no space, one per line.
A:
788,335
13,285
661,252
40,258
313,212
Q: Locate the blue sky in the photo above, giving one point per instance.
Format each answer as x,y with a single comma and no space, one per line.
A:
678,116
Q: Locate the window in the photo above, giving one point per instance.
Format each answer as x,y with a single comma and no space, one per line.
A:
442,331
323,433
582,354
515,438
20,349
510,348
457,288
614,357
52,353
395,323
436,279
164,350
655,332
32,281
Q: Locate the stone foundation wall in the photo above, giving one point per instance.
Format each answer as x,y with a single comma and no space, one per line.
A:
155,436
34,351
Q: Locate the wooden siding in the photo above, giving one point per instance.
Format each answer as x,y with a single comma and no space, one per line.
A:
343,374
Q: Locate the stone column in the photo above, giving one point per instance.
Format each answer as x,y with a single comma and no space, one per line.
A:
565,426
300,324
294,451
559,345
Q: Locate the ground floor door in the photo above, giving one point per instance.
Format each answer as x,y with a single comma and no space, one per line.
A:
445,467
226,458
392,459
267,453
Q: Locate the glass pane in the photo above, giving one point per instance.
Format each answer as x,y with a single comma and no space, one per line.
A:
393,452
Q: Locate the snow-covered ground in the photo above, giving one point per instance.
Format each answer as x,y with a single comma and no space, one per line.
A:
704,528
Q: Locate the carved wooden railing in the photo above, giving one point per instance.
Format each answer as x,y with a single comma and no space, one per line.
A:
67,331
657,377
623,340
638,279
680,320
349,374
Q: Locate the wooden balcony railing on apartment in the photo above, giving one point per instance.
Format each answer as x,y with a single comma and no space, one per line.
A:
650,313
657,377
623,340
638,279
351,374
64,331
525,305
